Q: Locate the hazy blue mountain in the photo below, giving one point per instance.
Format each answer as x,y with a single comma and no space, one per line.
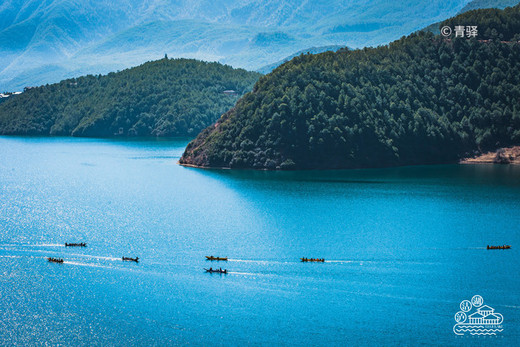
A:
478,4
313,50
45,41
365,27
475,5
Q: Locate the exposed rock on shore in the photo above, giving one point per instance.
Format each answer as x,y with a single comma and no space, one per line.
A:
510,155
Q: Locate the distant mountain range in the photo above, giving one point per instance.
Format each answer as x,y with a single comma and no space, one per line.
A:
481,4
313,50
46,41
475,5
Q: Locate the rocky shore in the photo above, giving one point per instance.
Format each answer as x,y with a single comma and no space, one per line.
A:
509,155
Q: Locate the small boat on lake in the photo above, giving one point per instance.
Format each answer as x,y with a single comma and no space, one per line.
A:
499,247
312,260
81,244
212,258
136,259
218,271
55,260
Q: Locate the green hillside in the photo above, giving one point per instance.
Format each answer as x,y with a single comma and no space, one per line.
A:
420,100
168,97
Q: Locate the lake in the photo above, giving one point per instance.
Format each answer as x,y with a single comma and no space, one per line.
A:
403,247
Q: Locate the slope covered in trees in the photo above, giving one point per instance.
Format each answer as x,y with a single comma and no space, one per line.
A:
168,97
422,99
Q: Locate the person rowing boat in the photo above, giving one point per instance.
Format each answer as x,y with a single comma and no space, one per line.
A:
136,259
210,257
81,244
499,247
313,260
55,260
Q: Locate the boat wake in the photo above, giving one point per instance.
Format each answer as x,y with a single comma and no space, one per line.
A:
86,264
33,245
94,257
61,253
511,306
345,261
245,273
264,262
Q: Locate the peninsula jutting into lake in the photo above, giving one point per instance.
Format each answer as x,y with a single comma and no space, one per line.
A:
423,99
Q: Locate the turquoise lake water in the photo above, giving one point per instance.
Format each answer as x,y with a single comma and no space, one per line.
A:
403,248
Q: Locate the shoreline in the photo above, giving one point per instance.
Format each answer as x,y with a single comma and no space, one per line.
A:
203,167
502,156
306,169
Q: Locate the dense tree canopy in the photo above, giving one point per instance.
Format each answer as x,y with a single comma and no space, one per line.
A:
419,100
168,97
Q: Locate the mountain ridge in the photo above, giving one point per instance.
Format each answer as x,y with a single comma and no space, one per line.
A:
475,5
312,50
43,42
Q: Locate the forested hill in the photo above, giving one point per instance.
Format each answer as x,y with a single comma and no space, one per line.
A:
422,99
168,97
